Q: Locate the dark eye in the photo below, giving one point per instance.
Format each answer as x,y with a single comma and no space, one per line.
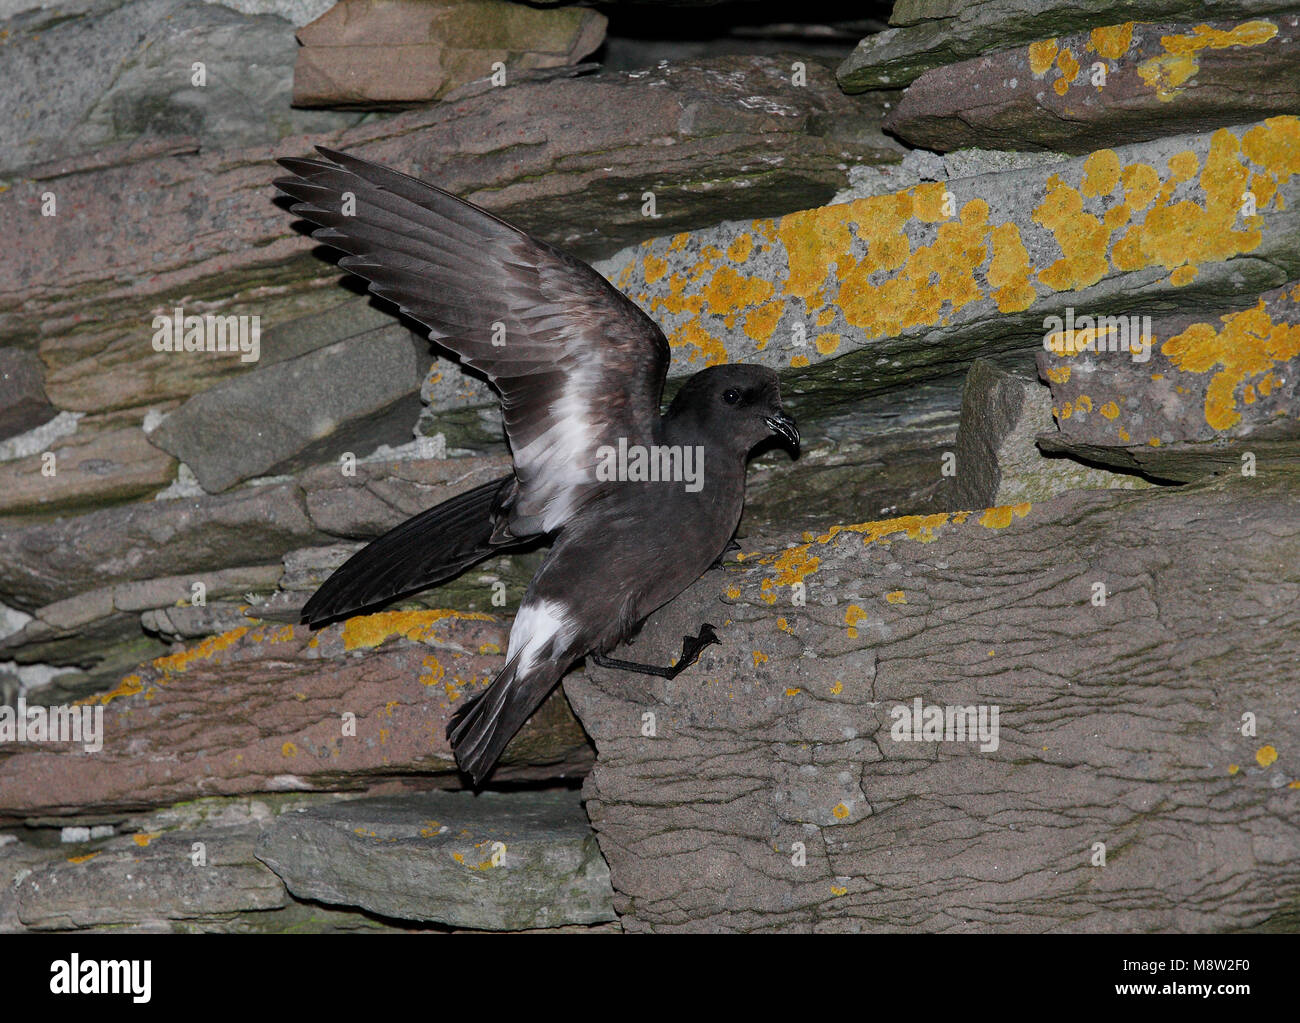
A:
731,396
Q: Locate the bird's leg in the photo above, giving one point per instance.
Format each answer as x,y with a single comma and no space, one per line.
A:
731,546
691,648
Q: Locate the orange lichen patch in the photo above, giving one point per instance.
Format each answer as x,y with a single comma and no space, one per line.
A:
759,658
1182,276
433,672
1248,345
1059,374
838,890
761,322
368,631
1072,342
814,240
1110,410
704,343
896,597
1001,516
733,592
145,837
1154,442
489,648
1267,755
1141,185
1117,216
799,362
852,616
1168,72
203,651
839,811
1100,173
1042,55
1274,145
826,344
82,859
1008,271
1182,166
837,688
738,251
1082,237
131,685
928,201
1124,435
1248,33
1083,403
1069,72
288,750
1111,41
654,267
729,290
825,316
793,692
1234,768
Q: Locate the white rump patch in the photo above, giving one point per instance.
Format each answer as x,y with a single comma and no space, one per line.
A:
536,625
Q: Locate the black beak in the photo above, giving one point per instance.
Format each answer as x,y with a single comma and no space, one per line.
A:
783,426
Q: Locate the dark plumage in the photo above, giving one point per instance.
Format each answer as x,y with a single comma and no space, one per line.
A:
580,369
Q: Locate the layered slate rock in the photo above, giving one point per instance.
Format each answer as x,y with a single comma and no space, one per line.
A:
926,34
765,789
369,54
1213,395
891,289
269,707
149,882
254,525
518,861
1117,84
351,396
996,457
732,137
93,74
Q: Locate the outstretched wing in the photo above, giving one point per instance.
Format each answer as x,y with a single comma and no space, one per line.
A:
577,365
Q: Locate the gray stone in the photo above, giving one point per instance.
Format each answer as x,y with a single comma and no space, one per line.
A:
124,73
351,396
493,861
997,459
148,882
773,795
23,405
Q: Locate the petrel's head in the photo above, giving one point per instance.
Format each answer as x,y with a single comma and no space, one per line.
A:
738,401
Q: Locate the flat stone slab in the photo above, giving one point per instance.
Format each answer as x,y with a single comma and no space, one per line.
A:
493,861
1116,84
926,34
775,787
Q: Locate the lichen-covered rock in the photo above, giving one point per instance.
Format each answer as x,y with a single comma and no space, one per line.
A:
891,289
775,787
1115,84
271,707
1214,394
931,33
497,861
375,54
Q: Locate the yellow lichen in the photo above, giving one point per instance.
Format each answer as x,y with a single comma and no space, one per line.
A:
368,631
